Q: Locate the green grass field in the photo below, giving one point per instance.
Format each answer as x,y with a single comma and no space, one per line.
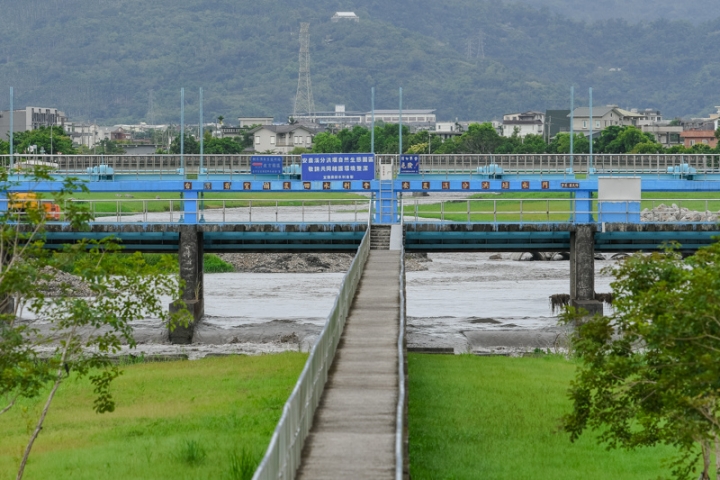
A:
174,420
498,418
542,207
109,203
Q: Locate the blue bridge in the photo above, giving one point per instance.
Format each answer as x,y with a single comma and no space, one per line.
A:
468,203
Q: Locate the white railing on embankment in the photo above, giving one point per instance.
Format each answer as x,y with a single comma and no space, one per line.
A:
283,456
401,428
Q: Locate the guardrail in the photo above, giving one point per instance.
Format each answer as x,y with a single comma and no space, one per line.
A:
225,210
558,210
284,453
401,427
470,164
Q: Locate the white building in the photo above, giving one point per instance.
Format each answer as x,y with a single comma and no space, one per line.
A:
345,16
527,123
282,138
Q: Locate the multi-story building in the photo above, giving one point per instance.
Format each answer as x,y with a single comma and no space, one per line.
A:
30,118
283,138
526,123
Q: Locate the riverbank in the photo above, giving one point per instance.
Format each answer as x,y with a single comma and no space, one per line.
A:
471,417
307,262
203,419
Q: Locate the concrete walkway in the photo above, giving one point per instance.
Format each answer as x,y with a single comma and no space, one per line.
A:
353,433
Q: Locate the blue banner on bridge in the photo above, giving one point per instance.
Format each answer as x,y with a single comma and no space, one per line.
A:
266,165
338,166
409,164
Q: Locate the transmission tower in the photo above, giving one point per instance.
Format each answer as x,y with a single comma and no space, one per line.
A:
304,99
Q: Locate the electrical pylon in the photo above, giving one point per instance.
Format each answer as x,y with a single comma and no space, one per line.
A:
304,99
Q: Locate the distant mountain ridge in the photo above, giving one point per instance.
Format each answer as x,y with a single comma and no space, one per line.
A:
125,60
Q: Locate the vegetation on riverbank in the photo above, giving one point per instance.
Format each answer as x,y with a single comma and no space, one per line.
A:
499,418
210,418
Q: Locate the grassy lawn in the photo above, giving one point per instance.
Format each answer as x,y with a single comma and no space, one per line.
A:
175,420
539,207
110,203
498,418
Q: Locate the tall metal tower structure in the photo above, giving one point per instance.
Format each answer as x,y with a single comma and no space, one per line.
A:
304,99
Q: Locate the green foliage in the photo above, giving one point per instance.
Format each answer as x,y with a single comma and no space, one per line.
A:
53,140
650,373
507,409
83,331
243,466
214,264
228,405
191,452
108,147
326,143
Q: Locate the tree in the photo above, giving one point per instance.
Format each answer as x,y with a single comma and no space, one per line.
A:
326,143
108,147
53,140
190,145
561,144
84,331
649,372
480,138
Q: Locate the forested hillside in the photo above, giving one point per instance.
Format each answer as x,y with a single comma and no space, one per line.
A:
695,11
473,59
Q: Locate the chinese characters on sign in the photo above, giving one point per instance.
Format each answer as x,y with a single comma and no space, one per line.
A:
570,185
227,185
338,166
406,185
247,186
207,186
266,165
505,185
526,185
409,163
187,185
446,185
426,185
485,185
287,186
466,185
545,185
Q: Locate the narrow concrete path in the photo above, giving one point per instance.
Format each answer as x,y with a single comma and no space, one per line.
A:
353,433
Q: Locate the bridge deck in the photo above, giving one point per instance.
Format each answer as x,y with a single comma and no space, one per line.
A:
353,433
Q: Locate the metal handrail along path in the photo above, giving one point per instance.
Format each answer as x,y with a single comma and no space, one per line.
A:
283,455
402,390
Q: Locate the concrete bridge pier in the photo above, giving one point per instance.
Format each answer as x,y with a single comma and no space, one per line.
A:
582,270
190,256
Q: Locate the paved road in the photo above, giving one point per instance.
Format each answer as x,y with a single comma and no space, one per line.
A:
353,433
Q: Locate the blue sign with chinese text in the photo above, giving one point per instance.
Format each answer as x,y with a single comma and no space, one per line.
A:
338,166
409,163
266,165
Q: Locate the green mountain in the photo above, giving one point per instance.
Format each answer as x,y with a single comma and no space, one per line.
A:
123,60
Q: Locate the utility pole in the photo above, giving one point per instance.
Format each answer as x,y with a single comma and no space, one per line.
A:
12,117
182,129
400,121
372,122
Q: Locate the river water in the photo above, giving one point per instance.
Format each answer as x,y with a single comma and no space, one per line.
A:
464,301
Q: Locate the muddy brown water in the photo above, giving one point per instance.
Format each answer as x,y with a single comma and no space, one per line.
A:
464,302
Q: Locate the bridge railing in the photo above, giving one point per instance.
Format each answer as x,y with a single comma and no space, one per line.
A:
229,165
557,210
283,456
212,209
